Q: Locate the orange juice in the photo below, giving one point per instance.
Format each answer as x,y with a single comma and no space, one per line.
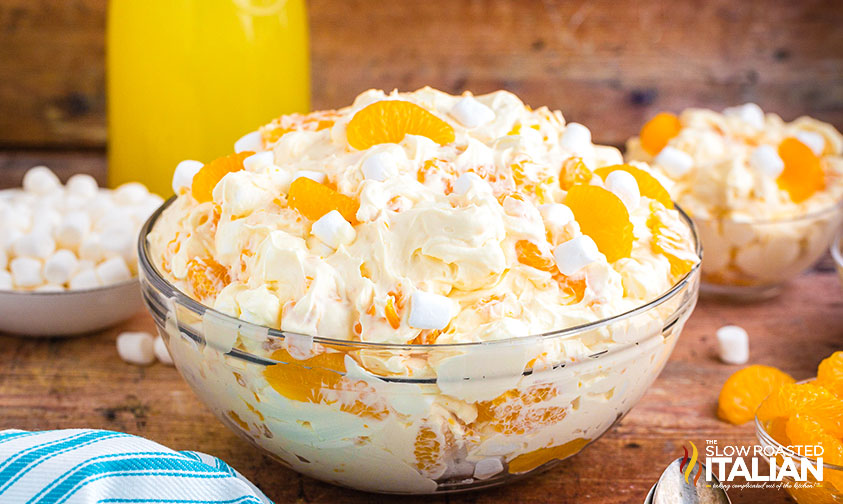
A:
187,78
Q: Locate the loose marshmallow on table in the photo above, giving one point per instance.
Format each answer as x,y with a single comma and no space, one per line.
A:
60,267
184,173
674,161
26,272
379,166
471,113
766,161
733,344
333,230
161,352
625,187
40,180
136,348
576,138
813,140
249,142
750,113
429,310
575,254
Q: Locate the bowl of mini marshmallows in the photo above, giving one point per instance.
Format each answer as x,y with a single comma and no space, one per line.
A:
68,258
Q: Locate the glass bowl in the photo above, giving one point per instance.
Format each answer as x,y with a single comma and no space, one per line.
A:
837,254
827,491
416,419
748,260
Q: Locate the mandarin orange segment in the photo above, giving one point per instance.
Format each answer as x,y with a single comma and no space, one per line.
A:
529,254
602,216
804,430
803,173
830,374
206,277
648,185
515,412
313,200
388,121
529,461
430,450
209,176
391,314
658,131
744,391
573,172
672,242
804,399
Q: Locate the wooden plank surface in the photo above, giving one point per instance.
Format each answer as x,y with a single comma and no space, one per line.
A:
606,63
81,382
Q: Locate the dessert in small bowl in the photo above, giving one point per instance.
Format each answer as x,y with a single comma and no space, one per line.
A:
766,195
420,292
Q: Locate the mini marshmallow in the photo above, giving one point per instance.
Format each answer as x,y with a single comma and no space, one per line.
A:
136,348
379,166
312,175
40,180
675,162
466,181
36,244
625,187
733,344
471,113
487,467
556,214
73,229
161,352
82,185
766,161
8,237
429,310
113,271
50,288
249,142
26,272
91,248
131,193
575,254
45,219
60,266
5,280
184,173
750,113
813,140
333,230
576,138
4,259
255,161
84,279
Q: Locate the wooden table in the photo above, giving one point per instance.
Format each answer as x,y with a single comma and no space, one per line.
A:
81,382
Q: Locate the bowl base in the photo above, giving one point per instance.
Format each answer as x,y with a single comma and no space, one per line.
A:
738,293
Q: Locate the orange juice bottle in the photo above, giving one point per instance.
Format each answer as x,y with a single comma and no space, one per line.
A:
187,78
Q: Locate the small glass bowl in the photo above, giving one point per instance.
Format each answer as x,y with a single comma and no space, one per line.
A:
751,260
416,419
827,491
837,254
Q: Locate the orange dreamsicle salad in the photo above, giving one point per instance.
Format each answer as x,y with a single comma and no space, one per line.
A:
426,219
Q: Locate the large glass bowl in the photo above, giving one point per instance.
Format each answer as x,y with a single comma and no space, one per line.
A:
753,259
416,419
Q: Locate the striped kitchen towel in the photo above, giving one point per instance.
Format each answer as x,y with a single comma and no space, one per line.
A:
85,466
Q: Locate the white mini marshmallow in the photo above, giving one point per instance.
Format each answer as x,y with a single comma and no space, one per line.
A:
184,173
82,185
91,248
50,288
379,166
130,193
471,113
625,187
576,138
45,218
113,271
469,180
556,214
161,352
675,162
4,259
575,254
256,161
312,175
73,229
85,279
333,230
813,140
136,348
733,344
60,267
750,113
26,272
40,180
5,280
487,467
429,310
766,161
249,142
35,244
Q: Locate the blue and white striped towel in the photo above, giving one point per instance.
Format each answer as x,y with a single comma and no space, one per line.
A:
85,466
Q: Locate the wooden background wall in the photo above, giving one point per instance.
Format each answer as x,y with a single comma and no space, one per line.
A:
606,63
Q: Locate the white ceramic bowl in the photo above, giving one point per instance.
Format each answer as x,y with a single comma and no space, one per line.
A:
68,313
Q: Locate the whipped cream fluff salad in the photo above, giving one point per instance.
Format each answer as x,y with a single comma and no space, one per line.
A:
424,219
766,194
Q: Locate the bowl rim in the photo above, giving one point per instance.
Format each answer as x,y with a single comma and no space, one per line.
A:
125,283
815,214
149,272
836,244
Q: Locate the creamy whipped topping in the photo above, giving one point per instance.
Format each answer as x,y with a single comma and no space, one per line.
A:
436,233
725,165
